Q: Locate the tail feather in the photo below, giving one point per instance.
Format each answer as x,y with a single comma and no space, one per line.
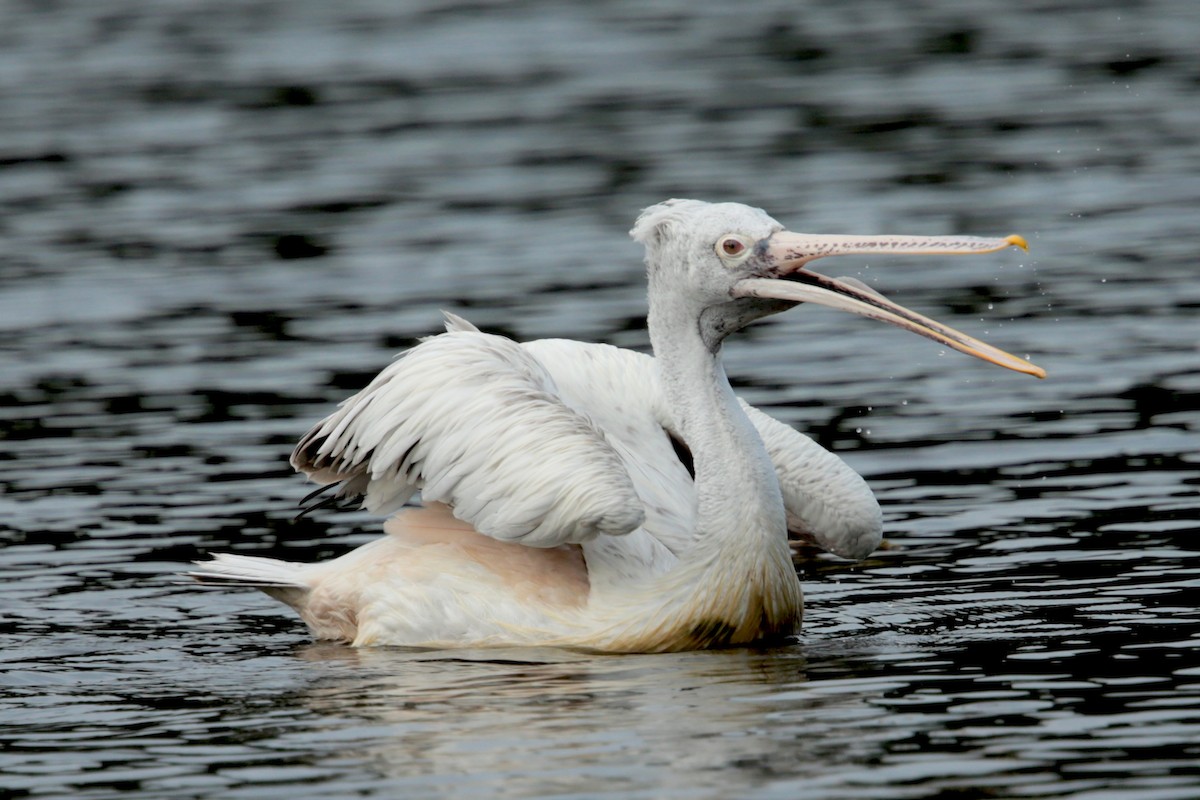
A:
227,569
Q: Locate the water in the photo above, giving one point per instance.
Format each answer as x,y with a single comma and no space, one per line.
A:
219,219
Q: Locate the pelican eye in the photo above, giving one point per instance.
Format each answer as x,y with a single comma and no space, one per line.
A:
731,246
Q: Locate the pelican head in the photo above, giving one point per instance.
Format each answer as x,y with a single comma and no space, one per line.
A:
731,264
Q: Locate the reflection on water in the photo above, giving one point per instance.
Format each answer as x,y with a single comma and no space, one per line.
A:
798,718
542,723
217,223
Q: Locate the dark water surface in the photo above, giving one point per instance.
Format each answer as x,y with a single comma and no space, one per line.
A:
219,218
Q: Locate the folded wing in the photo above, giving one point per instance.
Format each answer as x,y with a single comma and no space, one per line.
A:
471,420
826,501
556,442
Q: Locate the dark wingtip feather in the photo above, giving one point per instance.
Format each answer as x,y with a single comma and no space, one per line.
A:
306,454
338,500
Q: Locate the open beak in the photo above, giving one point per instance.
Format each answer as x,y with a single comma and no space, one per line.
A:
786,254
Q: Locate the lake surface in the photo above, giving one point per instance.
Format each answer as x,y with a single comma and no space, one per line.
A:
221,218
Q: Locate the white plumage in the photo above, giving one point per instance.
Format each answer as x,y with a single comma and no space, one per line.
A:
560,504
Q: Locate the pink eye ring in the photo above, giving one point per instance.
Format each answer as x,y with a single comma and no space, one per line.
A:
732,246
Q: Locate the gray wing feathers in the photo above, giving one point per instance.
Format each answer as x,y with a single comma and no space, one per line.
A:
471,420
619,389
845,504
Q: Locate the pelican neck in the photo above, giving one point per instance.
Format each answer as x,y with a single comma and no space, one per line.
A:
737,489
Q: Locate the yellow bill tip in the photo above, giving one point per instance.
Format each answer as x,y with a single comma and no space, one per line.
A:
1018,241
996,356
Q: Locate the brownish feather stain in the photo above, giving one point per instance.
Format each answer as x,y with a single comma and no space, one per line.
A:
552,576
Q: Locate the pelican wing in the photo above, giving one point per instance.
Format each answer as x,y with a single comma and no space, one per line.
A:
473,421
618,390
825,499
841,516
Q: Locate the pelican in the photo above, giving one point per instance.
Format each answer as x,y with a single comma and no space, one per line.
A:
585,496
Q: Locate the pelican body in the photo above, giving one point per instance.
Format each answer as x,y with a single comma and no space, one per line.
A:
581,495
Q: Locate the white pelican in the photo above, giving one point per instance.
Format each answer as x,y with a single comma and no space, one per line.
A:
585,496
